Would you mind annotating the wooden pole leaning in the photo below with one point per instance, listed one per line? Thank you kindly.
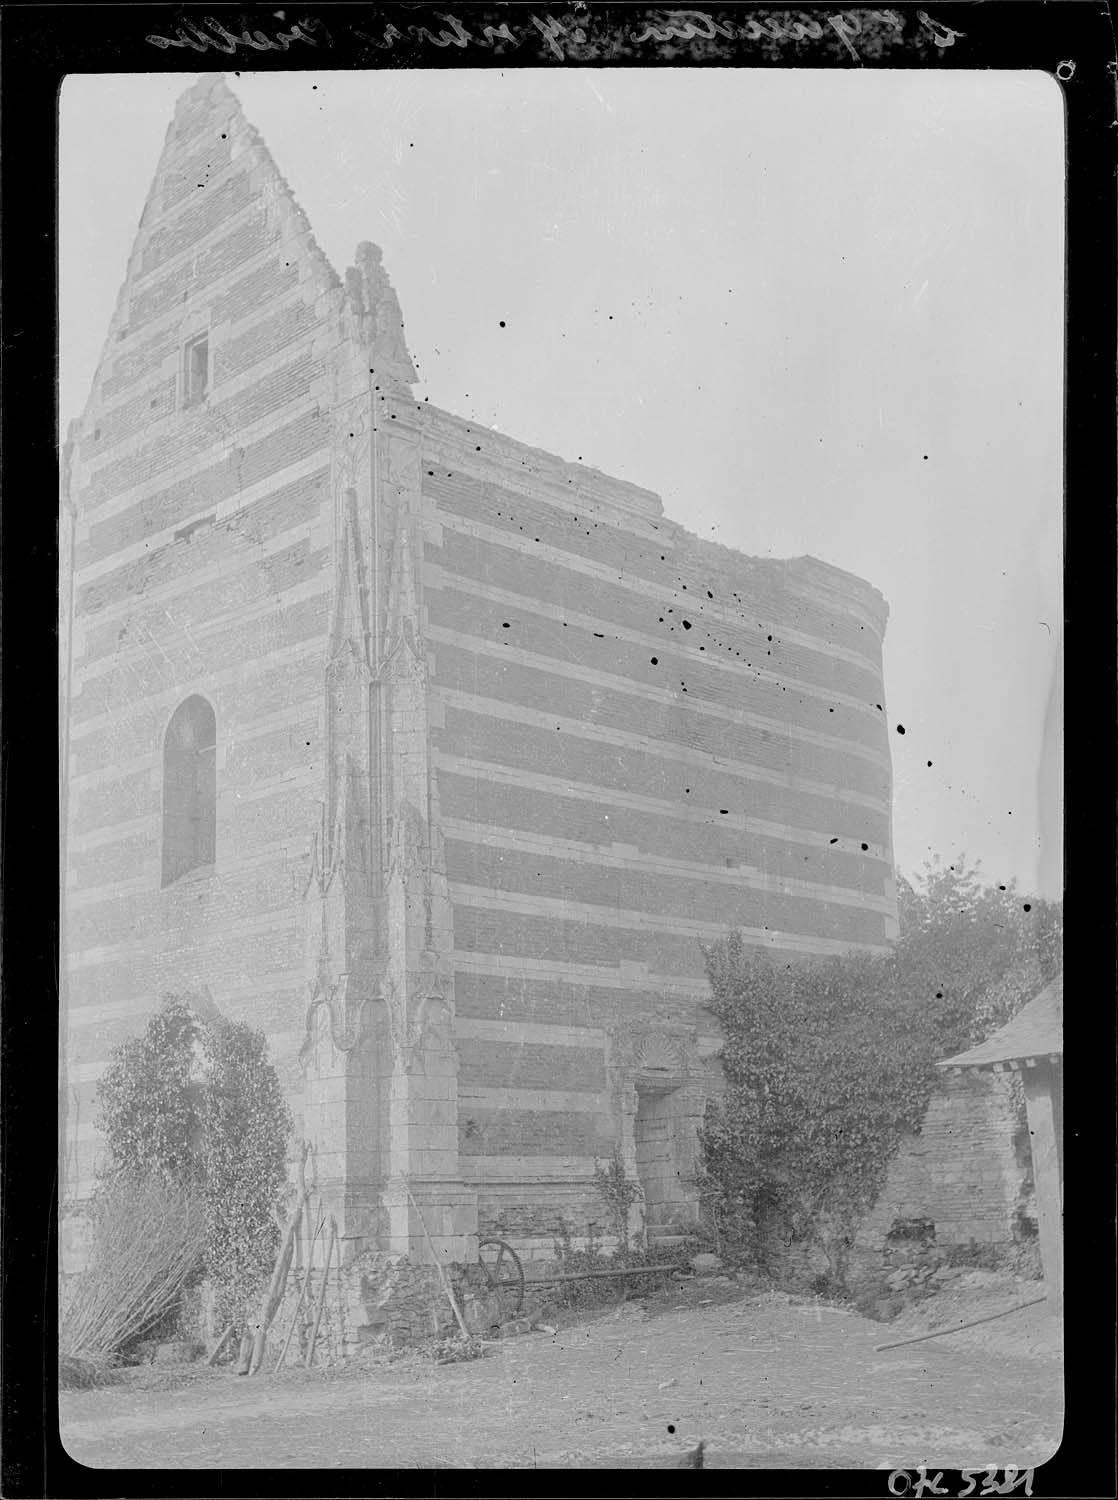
(279, 1275)
(438, 1264)
(321, 1292)
(299, 1301)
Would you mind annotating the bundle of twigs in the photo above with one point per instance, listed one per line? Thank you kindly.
(148, 1237)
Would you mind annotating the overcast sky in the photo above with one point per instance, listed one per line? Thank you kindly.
(817, 312)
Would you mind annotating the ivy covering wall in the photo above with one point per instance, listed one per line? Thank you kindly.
(831, 1063)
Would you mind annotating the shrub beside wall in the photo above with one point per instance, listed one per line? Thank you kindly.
(196, 1105)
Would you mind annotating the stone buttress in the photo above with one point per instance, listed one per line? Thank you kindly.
(379, 1059)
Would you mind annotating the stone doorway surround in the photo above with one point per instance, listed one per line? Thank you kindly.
(661, 1111)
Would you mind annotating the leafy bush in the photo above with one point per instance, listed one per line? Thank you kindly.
(150, 1101)
(618, 1193)
(198, 1105)
(148, 1236)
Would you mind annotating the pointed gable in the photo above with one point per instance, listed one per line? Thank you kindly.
(221, 238)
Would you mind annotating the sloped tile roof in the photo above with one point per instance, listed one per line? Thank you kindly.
(1036, 1031)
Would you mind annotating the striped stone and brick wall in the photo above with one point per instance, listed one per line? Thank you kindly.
(201, 563)
(499, 745)
(640, 740)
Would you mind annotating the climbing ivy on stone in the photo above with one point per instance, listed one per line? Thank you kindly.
(825, 1075)
(198, 1104)
(246, 1125)
(829, 1063)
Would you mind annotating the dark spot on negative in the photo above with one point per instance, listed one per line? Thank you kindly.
(865, 847)
(900, 729)
(687, 624)
(655, 660)
(834, 841)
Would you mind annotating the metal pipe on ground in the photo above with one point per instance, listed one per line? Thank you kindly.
(958, 1327)
(588, 1275)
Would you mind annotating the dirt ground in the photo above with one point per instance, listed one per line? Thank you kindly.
(766, 1380)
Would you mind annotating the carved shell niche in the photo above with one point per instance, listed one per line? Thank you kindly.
(659, 1055)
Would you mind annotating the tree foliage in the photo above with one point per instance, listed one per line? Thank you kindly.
(987, 948)
(198, 1105)
(149, 1100)
(829, 1063)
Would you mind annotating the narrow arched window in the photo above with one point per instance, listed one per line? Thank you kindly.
(189, 789)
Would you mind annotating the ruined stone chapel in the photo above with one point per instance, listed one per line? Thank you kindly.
(431, 755)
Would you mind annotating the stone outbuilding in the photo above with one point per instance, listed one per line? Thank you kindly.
(1032, 1044)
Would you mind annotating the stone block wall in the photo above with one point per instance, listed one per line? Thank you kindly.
(381, 1302)
(965, 1177)
(965, 1180)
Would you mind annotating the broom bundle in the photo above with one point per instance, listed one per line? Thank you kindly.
(148, 1238)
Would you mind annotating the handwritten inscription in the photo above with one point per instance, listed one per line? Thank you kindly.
(566, 31)
(200, 36)
(563, 32)
(901, 1482)
(686, 25)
